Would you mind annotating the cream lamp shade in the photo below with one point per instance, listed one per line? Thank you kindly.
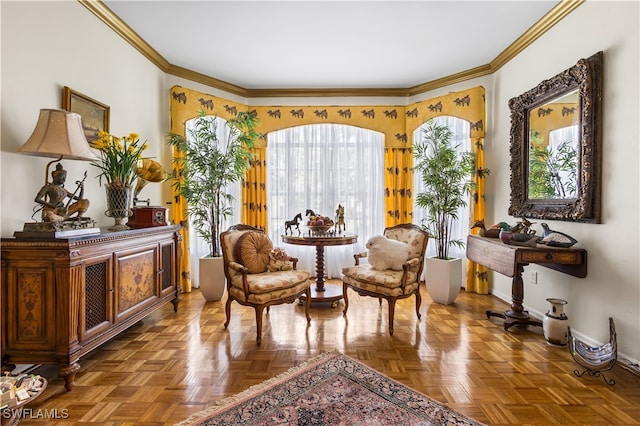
(58, 134)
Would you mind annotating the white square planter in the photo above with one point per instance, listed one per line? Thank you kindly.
(443, 279)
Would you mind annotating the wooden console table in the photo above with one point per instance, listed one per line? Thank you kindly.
(510, 261)
(64, 297)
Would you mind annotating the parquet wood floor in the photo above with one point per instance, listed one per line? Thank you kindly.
(172, 365)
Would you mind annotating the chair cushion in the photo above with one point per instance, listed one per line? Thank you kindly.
(270, 286)
(252, 251)
(388, 282)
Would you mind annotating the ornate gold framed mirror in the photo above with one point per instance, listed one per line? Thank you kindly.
(556, 132)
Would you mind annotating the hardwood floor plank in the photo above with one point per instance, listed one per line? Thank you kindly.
(172, 365)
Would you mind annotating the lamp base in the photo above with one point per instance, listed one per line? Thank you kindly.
(66, 228)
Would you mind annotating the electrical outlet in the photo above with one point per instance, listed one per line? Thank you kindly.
(534, 277)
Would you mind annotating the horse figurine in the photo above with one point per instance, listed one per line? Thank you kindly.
(309, 212)
(289, 224)
(339, 218)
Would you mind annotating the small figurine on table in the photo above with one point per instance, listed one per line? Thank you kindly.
(53, 194)
(340, 226)
(289, 224)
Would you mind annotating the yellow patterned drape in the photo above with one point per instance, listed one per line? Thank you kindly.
(254, 192)
(398, 185)
(179, 215)
(477, 277)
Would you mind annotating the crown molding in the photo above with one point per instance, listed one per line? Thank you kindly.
(451, 79)
(555, 15)
(98, 8)
(207, 80)
(319, 93)
(545, 23)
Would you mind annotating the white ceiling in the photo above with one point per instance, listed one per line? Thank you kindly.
(329, 44)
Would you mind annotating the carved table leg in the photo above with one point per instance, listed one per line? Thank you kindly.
(320, 293)
(319, 269)
(69, 375)
(516, 315)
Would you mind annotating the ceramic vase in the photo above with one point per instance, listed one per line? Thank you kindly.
(118, 205)
(555, 323)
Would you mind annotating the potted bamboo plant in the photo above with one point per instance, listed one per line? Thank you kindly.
(203, 173)
(447, 179)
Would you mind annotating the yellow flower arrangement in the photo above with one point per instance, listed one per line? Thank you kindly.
(119, 157)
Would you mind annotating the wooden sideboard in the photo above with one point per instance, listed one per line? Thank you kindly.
(63, 297)
(510, 261)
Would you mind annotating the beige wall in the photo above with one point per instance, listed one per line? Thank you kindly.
(612, 286)
(90, 58)
(48, 45)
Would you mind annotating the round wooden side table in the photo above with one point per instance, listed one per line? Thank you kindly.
(320, 293)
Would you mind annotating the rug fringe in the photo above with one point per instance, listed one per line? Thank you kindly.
(251, 391)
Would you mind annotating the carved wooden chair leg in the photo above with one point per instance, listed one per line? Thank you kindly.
(227, 309)
(307, 304)
(418, 302)
(392, 311)
(346, 299)
(259, 324)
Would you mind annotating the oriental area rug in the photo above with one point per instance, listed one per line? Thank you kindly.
(331, 389)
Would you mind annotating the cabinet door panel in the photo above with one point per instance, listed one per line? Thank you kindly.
(136, 273)
(96, 313)
(30, 313)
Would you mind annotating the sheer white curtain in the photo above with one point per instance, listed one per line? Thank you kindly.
(461, 137)
(318, 167)
(197, 246)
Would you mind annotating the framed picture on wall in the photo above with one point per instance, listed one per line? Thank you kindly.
(95, 115)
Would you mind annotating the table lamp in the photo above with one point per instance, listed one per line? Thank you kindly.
(59, 134)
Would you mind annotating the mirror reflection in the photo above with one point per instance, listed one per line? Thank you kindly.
(556, 131)
(554, 135)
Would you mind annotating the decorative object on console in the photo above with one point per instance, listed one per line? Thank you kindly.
(148, 170)
(340, 225)
(118, 165)
(519, 239)
(555, 324)
(492, 232)
(318, 224)
(59, 134)
(289, 224)
(596, 359)
(556, 238)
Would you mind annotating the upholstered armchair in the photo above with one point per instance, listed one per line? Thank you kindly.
(390, 284)
(251, 278)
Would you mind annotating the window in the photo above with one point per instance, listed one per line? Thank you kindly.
(318, 167)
